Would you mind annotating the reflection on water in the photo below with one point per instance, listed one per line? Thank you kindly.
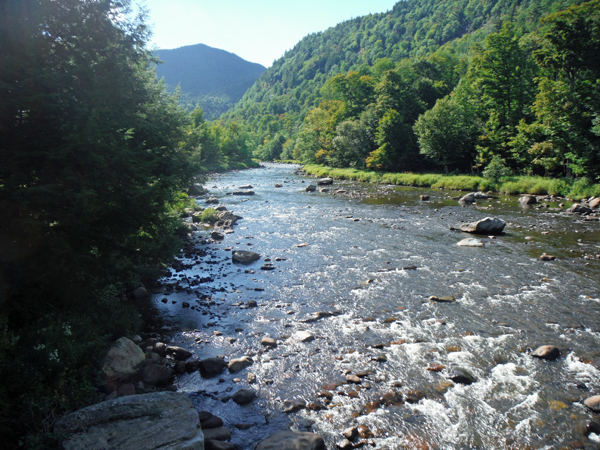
(374, 259)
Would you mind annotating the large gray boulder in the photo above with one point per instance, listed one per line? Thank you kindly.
(224, 216)
(288, 440)
(594, 203)
(311, 188)
(487, 226)
(244, 256)
(152, 421)
(243, 192)
(325, 182)
(123, 359)
(579, 208)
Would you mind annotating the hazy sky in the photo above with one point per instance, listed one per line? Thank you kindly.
(257, 30)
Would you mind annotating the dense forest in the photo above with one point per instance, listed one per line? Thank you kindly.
(507, 86)
(207, 77)
(95, 157)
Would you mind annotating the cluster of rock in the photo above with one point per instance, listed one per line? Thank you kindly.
(587, 207)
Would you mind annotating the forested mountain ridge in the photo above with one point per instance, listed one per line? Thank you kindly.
(375, 76)
(213, 78)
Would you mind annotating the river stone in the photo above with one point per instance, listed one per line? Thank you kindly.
(547, 257)
(278, 185)
(151, 421)
(211, 367)
(123, 359)
(528, 200)
(289, 440)
(244, 256)
(461, 376)
(595, 203)
(235, 365)
(160, 348)
(311, 188)
(226, 216)
(469, 198)
(156, 375)
(487, 226)
(217, 236)
(593, 403)
(268, 342)
(425, 198)
(344, 444)
(350, 433)
(292, 406)
(447, 299)
(139, 293)
(211, 201)
(180, 354)
(353, 379)
(217, 434)
(219, 445)
(470, 242)
(211, 421)
(303, 336)
(243, 192)
(549, 352)
(325, 182)
(246, 186)
(244, 396)
(579, 208)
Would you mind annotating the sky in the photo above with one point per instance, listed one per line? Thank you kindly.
(259, 31)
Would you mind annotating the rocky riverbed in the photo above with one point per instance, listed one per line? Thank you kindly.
(353, 311)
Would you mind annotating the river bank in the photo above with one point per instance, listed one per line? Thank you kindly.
(568, 188)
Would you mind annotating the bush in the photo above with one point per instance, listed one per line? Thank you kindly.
(209, 215)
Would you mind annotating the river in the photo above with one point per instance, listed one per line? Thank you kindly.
(375, 255)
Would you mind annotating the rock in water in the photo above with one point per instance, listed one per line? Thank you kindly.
(235, 365)
(593, 403)
(217, 236)
(487, 226)
(469, 198)
(461, 376)
(470, 242)
(303, 336)
(311, 188)
(528, 200)
(156, 375)
(595, 203)
(291, 406)
(446, 299)
(579, 208)
(325, 182)
(546, 352)
(150, 421)
(123, 359)
(211, 367)
(244, 396)
(178, 353)
(288, 440)
(244, 257)
(243, 192)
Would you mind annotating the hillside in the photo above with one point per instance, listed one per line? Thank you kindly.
(354, 94)
(214, 78)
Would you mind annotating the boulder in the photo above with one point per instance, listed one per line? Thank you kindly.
(217, 434)
(244, 257)
(579, 209)
(196, 189)
(211, 367)
(123, 359)
(549, 352)
(593, 403)
(547, 257)
(246, 186)
(528, 200)
(151, 421)
(461, 376)
(217, 236)
(279, 185)
(244, 396)
(211, 201)
(156, 375)
(243, 192)
(344, 444)
(226, 216)
(325, 182)
(594, 203)
(470, 242)
(160, 348)
(487, 226)
(219, 445)
(268, 342)
(209, 420)
(311, 188)
(292, 406)
(289, 440)
(469, 198)
(178, 353)
(235, 365)
(303, 336)
(446, 299)
(425, 198)
(139, 293)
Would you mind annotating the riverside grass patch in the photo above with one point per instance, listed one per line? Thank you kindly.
(512, 185)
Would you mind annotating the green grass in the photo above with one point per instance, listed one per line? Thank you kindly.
(209, 215)
(288, 161)
(575, 189)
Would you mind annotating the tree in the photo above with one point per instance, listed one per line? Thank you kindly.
(93, 155)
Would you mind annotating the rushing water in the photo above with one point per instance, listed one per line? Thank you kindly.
(508, 302)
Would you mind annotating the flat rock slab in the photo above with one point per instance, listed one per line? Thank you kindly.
(288, 440)
(470, 242)
(150, 421)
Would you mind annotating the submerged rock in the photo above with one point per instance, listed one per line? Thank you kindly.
(487, 226)
(470, 242)
(461, 376)
(150, 421)
(289, 440)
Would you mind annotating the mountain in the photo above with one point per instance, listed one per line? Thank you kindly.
(214, 78)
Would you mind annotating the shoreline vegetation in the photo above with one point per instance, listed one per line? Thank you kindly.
(512, 185)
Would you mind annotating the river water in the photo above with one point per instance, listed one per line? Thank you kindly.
(359, 264)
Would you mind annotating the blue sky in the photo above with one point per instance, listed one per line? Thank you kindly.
(258, 31)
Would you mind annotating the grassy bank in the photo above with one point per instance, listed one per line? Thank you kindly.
(575, 189)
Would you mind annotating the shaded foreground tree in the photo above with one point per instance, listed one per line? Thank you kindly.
(92, 153)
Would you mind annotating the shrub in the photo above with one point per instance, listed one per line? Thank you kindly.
(209, 215)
